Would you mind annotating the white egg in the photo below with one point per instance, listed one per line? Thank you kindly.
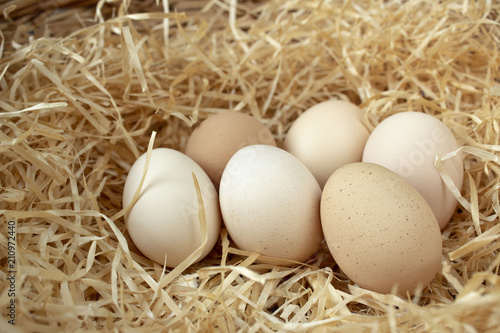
(408, 143)
(164, 223)
(270, 203)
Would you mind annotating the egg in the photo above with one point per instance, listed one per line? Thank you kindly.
(408, 143)
(327, 136)
(212, 144)
(379, 229)
(270, 203)
(164, 222)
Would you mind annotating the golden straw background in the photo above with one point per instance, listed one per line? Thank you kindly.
(85, 85)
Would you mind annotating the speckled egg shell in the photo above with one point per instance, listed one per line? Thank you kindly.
(379, 229)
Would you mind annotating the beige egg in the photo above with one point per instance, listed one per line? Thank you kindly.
(327, 136)
(270, 203)
(212, 144)
(379, 229)
(164, 221)
(408, 143)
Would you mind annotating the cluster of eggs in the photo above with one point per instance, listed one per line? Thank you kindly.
(376, 198)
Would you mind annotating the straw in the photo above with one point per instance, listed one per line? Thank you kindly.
(88, 86)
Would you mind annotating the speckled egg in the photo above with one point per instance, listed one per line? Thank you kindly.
(381, 232)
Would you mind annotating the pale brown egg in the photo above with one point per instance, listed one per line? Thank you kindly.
(212, 144)
(380, 230)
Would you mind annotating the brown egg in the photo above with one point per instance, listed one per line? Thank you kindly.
(380, 230)
(219, 137)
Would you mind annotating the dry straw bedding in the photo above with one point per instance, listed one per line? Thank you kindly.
(86, 89)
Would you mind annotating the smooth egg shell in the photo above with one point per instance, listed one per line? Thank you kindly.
(218, 137)
(327, 136)
(408, 143)
(164, 220)
(379, 229)
(270, 203)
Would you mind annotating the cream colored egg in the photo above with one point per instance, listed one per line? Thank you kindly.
(164, 222)
(408, 143)
(327, 136)
(379, 229)
(270, 203)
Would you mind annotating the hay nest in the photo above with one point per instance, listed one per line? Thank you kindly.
(84, 85)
